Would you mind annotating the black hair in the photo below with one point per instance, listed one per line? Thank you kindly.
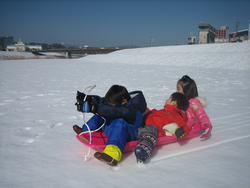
(182, 101)
(189, 87)
(116, 94)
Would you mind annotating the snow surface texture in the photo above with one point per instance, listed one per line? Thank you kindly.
(38, 147)
(4, 54)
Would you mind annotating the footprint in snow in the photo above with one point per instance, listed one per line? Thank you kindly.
(73, 117)
(40, 95)
(39, 135)
(29, 141)
(224, 104)
(8, 100)
(41, 121)
(25, 97)
(27, 128)
(55, 125)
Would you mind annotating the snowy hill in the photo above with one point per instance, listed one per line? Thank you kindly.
(38, 147)
(205, 56)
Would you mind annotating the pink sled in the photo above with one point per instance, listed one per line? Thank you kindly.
(99, 139)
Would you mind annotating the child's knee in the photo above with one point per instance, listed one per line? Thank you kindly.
(94, 123)
(148, 129)
(119, 123)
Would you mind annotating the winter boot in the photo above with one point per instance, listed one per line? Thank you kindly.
(105, 158)
(77, 129)
(145, 147)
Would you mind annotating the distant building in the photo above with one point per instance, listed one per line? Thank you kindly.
(21, 47)
(249, 31)
(1, 43)
(207, 33)
(33, 47)
(222, 34)
(239, 35)
(192, 40)
(5, 41)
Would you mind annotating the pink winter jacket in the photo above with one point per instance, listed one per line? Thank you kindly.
(196, 111)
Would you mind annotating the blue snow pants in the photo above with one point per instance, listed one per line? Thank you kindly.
(118, 131)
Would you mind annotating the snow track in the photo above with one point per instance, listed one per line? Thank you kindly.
(195, 149)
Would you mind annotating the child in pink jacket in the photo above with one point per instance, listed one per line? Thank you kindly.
(188, 87)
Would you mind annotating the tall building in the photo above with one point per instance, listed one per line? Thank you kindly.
(1, 43)
(249, 31)
(5, 41)
(207, 33)
(222, 34)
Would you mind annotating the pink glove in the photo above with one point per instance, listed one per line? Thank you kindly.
(207, 131)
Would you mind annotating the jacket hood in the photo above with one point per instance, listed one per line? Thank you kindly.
(202, 101)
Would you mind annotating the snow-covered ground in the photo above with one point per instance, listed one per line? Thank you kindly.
(38, 147)
(28, 55)
(4, 54)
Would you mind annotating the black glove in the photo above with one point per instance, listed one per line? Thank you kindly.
(80, 96)
(179, 132)
(86, 106)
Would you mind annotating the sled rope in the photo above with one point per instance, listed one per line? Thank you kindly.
(90, 137)
(91, 87)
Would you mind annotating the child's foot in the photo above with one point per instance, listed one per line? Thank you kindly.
(140, 154)
(143, 150)
(105, 158)
(144, 147)
(77, 129)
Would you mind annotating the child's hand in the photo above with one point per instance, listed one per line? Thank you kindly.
(80, 96)
(179, 132)
(207, 132)
(86, 106)
(79, 106)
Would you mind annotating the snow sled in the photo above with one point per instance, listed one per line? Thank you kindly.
(98, 139)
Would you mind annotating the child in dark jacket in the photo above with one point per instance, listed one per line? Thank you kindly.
(121, 112)
(171, 120)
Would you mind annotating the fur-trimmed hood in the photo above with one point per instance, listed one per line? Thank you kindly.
(203, 102)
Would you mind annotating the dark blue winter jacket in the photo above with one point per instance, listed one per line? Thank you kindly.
(128, 111)
(121, 121)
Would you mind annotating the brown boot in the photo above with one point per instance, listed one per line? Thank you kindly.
(106, 158)
(77, 129)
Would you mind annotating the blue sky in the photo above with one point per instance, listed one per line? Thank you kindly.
(109, 23)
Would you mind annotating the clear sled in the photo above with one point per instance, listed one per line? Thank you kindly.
(98, 139)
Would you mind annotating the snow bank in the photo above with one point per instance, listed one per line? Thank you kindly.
(27, 55)
(204, 56)
(15, 54)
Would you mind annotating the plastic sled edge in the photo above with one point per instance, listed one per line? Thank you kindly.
(98, 139)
